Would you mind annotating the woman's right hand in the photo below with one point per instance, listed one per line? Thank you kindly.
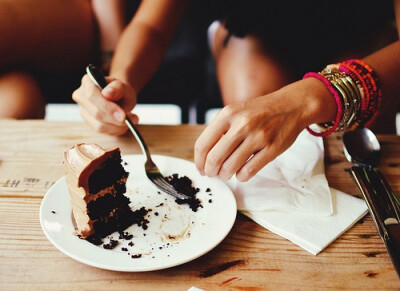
(105, 110)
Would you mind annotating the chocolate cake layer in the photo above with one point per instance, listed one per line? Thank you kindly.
(106, 204)
(110, 172)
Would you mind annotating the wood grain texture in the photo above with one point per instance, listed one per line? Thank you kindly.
(250, 258)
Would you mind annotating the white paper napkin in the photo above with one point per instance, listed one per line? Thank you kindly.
(291, 197)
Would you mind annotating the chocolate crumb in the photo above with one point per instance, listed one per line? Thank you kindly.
(130, 244)
(210, 201)
(136, 256)
(208, 190)
(124, 249)
(112, 244)
(53, 212)
(184, 185)
(156, 213)
(125, 235)
(138, 217)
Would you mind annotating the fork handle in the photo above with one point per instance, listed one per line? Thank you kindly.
(138, 136)
(97, 77)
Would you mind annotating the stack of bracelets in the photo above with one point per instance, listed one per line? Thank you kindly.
(357, 93)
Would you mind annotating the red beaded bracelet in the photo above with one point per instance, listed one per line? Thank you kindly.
(337, 100)
(374, 87)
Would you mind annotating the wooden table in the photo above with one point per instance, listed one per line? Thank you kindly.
(251, 257)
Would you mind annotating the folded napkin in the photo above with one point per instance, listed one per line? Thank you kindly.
(291, 197)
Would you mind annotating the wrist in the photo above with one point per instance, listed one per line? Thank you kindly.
(320, 105)
(105, 60)
(122, 74)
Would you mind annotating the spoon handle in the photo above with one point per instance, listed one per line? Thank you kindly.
(384, 208)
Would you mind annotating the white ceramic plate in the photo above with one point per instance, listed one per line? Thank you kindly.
(175, 233)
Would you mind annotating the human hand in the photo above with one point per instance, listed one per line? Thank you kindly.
(244, 137)
(105, 110)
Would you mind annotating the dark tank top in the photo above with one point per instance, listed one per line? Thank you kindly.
(311, 29)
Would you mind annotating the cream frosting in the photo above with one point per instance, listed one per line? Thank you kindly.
(80, 161)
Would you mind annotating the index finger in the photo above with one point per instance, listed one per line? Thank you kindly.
(207, 140)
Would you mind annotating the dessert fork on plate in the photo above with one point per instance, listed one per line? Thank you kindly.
(151, 169)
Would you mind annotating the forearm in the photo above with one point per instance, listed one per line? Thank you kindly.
(138, 55)
(386, 63)
(144, 42)
(110, 19)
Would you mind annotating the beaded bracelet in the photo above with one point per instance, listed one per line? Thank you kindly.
(337, 100)
(362, 114)
(369, 106)
(336, 80)
(374, 87)
(357, 92)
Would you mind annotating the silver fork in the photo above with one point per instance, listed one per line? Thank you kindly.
(152, 171)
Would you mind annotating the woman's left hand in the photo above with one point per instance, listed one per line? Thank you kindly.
(244, 137)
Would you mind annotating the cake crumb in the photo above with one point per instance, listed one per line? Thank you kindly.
(125, 235)
(112, 244)
(184, 185)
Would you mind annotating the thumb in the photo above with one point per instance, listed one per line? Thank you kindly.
(114, 91)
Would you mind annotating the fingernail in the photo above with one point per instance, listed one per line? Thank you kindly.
(108, 91)
(118, 115)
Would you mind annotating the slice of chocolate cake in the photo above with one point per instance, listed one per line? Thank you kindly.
(96, 181)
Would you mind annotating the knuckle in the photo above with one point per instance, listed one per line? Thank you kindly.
(198, 146)
(100, 127)
(75, 95)
(213, 160)
(109, 107)
(84, 78)
(243, 124)
(226, 171)
(227, 111)
(98, 114)
(246, 173)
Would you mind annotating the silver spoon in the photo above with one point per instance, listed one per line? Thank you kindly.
(362, 148)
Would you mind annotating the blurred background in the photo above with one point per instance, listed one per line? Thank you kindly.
(183, 90)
